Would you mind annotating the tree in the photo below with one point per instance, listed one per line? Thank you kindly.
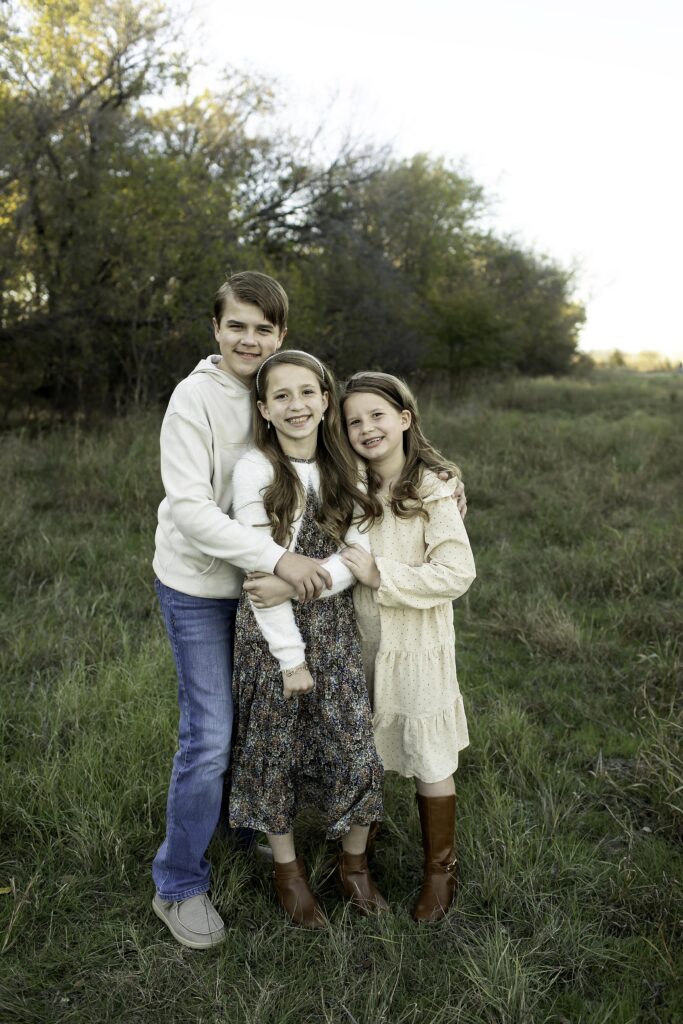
(406, 281)
(119, 216)
(117, 220)
(73, 75)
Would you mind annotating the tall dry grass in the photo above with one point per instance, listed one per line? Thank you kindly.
(569, 796)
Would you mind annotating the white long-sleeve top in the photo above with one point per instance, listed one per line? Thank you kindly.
(252, 475)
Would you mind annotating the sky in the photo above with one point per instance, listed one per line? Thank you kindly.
(569, 115)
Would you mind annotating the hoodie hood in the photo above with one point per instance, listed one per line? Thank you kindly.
(226, 380)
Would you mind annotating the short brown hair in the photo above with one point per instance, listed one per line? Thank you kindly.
(258, 290)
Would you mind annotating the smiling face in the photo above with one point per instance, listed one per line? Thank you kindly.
(294, 405)
(375, 428)
(245, 338)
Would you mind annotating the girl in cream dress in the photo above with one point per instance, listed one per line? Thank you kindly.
(420, 561)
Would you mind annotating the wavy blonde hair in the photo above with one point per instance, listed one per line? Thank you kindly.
(341, 500)
(405, 500)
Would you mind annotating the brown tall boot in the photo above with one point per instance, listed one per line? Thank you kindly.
(372, 840)
(295, 896)
(357, 884)
(439, 886)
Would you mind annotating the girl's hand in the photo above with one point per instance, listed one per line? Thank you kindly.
(458, 494)
(307, 576)
(362, 565)
(266, 591)
(296, 680)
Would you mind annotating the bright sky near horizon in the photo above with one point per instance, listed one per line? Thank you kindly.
(566, 113)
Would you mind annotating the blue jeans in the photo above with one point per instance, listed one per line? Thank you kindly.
(201, 631)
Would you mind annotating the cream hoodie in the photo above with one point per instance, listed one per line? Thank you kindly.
(200, 550)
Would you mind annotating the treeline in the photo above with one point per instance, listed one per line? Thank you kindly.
(121, 214)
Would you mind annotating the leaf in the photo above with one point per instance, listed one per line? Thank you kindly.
(6, 889)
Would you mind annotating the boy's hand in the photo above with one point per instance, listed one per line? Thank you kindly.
(296, 680)
(458, 494)
(362, 565)
(307, 576)
(266, 591)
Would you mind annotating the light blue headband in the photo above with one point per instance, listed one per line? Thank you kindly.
(298, 352)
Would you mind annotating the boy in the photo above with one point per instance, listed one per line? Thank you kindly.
(199, 557)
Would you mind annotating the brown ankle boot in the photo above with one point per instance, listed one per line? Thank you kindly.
(356, 881)
(439, 886)
(372, 840)
(295, 896)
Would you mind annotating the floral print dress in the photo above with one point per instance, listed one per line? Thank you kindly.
(315, 750)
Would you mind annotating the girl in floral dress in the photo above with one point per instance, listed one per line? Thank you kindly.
(303, 727)
(420, 561)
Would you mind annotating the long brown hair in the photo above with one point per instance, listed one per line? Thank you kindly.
(340, 497)
(420, 454)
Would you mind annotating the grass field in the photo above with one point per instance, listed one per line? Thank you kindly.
(570, 796)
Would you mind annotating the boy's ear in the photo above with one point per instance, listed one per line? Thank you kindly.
(406, 418)
(215, 327)
(281, 339)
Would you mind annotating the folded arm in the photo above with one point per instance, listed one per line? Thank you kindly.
(342, 576)
(186, 470)
(279, 628)
(266, 590)
(446, 573)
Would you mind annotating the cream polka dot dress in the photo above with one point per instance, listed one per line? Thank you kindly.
(408, 638)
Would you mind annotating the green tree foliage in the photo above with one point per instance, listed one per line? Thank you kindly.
(121, 212)
(73, 76)
(406, 279)
(380, 248)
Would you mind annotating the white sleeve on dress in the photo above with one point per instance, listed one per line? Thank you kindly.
(251, 476)
(342, 577)
(448, 568)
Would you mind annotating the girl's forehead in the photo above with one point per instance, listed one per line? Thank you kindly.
(365, 401)
(290, 375)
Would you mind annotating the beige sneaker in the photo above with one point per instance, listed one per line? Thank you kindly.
(193, 922)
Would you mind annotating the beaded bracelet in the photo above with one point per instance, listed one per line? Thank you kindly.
(289, 672)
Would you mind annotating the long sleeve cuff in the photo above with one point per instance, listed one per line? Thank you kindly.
(342, 577)
(422, 586)
(271, 555)
(281, 633)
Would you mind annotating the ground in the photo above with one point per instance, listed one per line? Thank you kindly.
(570, 795)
